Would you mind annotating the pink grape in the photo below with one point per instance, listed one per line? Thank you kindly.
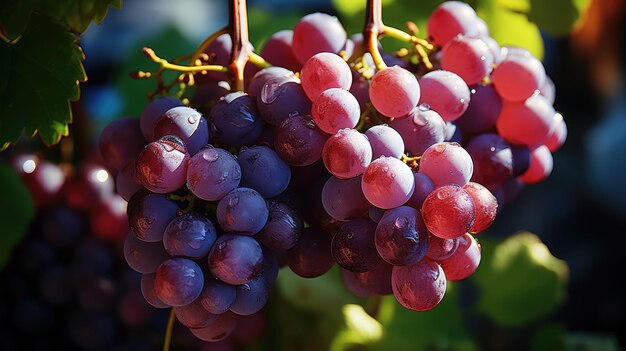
(447, 163)
(343, 199)
(468, 57)
(347, 153)
(420, 129)
(526, 123)
(541, 164)
(277, 50)
(448, 211)
(440, 249)
(335, 109)
(557, 136)
(385, 141)
(446, 93)
(465, 259)
(485, 206)
(324, 71)
(518, 75)
(162, 165)
(450, 19)
(315, 33)
(394, 91)
(387, 182)
(419, 287)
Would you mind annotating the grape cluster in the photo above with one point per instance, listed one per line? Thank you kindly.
(66, 284)
(387, 170)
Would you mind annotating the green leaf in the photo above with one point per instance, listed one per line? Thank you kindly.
(77, 14)
(520, 280)
(323, 295)
(441, 328)
(45, 69)
(16, 211)
(555, 17)
(360, 329)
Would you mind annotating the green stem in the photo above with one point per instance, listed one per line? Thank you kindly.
(168, 332)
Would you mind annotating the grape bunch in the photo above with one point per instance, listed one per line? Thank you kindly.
(387, 164)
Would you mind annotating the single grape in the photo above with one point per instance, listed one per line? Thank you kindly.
(401, 238)
(213, 173)
(147, 290)
(143, 257)
(278, 51)
(347, 153)
(261, 77)
(450, 19)
(324, 71)
(217, 296)
(282, 97)
(187, 124)
(235, 259)
(194, 315)
(483, 110)
(423, 187)
(448, 211)
(419, 129)
(419, 287)
(162, 165)
(299, 142)
(387, 182)
(541, 164)
(446, 163)
(353, 246)
(440, 249)
(468, 57)
(557, 136)
(465, 259)
(120, 142)
(235, 121)
(485, 206)
(394, 91)
(526, 123)
(335, 109)
(445, 92)
(251, 297)
(149, 214)
(190, 235)
(126, 184)
(343, 199)
(263, 170)
(283, 227)
(315, 33)
(152, 111)
(242, 211)
(311, 257)
(493, 159)
(518, 75)
(178, 281)
(385, 141)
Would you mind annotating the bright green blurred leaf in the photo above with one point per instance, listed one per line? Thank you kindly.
(45, 67)
(555, 17)
(591, 342)
(360, 329)
(441, 328)
(520, 280)
(16, 211)
(324, 295)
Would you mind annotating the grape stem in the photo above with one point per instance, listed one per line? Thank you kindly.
(238, 30)
(168, 331)
(374, 28)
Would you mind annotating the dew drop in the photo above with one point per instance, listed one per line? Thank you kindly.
(210, 156)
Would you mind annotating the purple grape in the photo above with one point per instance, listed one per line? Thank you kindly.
(311, 256)
(299, 142)
(187, 124)
(147, 290)
(143, 257)
(235, 259)
(261, 77)
(217, 296)
(401, 237)
(242, 211)
(161, 166)
(483, 111)
(190, 235)
(235, 121)
(120, 142)
(194, 315)
(251, 297)
(152, 111)
(419, 287)
(178, 281)
(213, 173)
(263, 170)
(420, 129)
(353, 246)
(385, 141)
(317, 32)
(149, 214)
(423, 187)
(343, 199)
(280, 98)
(277, 50)
(219, 329)
(126, 183)
(283, 227)
(493, 158)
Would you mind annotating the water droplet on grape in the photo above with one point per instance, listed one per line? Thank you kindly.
(440, 147)
(401, 222)
(233, 201)
(210, 156)
(193, 118)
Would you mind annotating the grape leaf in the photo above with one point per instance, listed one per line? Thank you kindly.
(77, 14)
(16, 211)
(44, 69)
(520, 280)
